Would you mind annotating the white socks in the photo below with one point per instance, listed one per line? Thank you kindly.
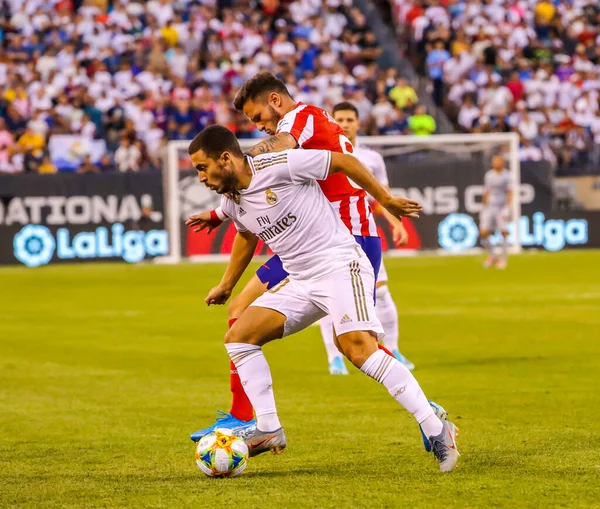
(388, 316)
(254, 372)
(404, 388)
(326, 325)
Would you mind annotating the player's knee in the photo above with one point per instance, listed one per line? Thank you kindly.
(238, 335)
(358, 346)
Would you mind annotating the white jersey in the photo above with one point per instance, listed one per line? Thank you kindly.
(285, 207)
(497, 185)
(373, 160)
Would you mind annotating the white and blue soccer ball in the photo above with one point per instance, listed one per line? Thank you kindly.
(221, 454)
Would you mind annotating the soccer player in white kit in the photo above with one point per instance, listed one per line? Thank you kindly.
(275, 197)
(346, 115)
(494, 216)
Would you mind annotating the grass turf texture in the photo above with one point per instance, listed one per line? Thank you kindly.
(106, 369)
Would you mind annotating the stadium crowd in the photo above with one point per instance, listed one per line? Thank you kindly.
(529, 66)
(121, 78)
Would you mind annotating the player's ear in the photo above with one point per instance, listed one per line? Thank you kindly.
(275, 99)
(225, 158)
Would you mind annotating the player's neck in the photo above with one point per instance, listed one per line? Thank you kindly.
(353, 141)
(243, 172)
(288, 104)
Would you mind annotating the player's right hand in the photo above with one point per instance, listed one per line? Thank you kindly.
(203, 220)
(217, 295)
(399, 206)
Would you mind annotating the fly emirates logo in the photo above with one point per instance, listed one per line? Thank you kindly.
(270, 231)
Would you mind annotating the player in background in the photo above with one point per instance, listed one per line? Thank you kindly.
(276, 197)
(266, 101)
(346, 115)
(494, 216)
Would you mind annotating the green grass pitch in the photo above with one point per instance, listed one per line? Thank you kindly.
(106, 369)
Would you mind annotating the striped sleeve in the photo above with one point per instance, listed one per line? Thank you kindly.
(302, 128)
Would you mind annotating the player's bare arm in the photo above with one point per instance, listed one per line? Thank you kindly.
(359, 174)
(204, 220)
(242, 251)
(277, 143)
(509, 197)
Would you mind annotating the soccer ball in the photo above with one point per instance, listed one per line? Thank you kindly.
(221, 454)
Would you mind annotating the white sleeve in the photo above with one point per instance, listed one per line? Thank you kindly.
(220, 214)
(379, 170)
(307, 165)
(509, 184)
(228, 208)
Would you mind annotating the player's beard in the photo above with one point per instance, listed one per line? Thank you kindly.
(229, 182)
(275, 115)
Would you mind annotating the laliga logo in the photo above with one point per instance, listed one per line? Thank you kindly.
(457, 232)
(35, 245)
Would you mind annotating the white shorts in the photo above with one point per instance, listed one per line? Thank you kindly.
(346, 294)
(382, 277)
(494, 219)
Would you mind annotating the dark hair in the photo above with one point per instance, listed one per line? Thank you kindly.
(345, 106)
(214, 140)
(259, 84)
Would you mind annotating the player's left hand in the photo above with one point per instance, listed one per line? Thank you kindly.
(399, 235)
(399, 206)
(217, 295)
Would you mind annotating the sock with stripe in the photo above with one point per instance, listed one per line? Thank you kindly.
(404, 388)
(255, 376)
(241, 408)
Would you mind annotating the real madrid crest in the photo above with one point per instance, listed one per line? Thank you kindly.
(236, 198)
(271, 197)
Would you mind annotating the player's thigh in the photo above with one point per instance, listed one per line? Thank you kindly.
(266, 277)
(291, 300)
(256, 326)
(347, 296)
(253, 290)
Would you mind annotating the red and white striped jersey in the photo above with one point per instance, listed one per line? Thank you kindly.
(314, 128)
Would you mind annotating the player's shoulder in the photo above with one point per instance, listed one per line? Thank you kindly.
(262, 161)
(368, 151)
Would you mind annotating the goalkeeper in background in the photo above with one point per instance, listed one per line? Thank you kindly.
(494, 216)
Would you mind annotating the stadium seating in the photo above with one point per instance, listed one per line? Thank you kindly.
(116, 81)
(530, 66)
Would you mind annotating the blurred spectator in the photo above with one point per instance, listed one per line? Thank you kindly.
(106, 164)
(128, 156)
(435, 68)
(403, 95)
(87, 166)
(31, 141)
(47, 166)
(421, 124)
